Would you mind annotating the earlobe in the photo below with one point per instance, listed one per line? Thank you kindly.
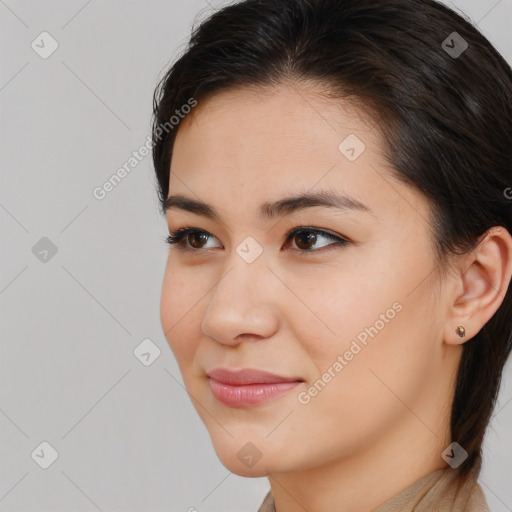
(484, 285)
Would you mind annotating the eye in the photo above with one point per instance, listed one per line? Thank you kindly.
(305, 238)
(183, 235)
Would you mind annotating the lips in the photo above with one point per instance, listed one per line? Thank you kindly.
(248, 387)
(248, 376)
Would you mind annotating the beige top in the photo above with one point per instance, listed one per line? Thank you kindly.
(436, 492)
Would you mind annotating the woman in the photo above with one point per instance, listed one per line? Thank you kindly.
(335, 177)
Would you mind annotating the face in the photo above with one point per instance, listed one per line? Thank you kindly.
(343, 308)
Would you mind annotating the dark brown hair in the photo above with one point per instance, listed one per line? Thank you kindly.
(446, 119)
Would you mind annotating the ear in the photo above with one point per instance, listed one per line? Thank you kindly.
(482, 280)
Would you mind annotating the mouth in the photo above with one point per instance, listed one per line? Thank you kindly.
(249, 387)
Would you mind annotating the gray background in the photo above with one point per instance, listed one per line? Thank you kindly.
(126, 434)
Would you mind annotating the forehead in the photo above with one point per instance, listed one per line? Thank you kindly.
(294, 112)
(244, 145)
(249, 128)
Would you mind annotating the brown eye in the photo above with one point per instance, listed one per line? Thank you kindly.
(197, 238)
(305, 240)
(189, 239)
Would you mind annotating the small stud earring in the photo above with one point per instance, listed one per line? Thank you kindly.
(461, 331)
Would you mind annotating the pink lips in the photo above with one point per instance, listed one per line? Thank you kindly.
(248, 386)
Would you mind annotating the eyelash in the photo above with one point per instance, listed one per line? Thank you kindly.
(178, 238)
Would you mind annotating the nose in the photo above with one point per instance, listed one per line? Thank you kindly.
(242, 305)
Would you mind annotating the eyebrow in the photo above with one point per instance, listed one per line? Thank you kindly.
(270, 210)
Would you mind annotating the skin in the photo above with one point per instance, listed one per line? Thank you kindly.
(387, 411)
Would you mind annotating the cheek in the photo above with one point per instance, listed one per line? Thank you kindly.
(179, 303)
(342, 307)
(353, 400)
(378, 329)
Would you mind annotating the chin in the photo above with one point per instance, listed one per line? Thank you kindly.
(241, 470)
(245, 459)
